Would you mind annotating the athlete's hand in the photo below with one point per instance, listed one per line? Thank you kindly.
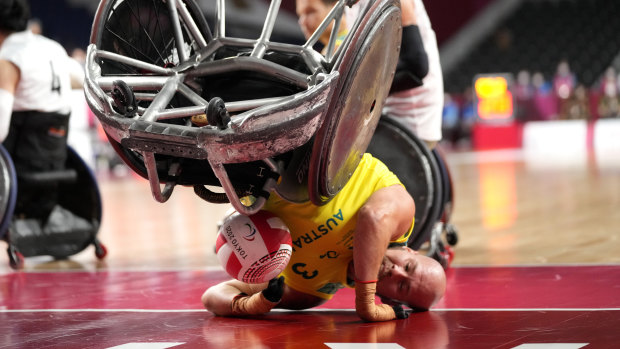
(261, 302)
(401, 313)
(365, 303)
(274, 290)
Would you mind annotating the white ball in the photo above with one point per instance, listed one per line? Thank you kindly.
(253, 249)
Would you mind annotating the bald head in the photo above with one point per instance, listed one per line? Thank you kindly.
(410, 278)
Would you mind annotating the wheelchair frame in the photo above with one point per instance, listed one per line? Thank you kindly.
(249, 135)
(259, 129)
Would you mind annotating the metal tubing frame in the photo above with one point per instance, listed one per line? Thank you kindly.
(161, 85)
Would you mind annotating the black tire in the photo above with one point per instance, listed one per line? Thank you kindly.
(8, 191)
(409, 158)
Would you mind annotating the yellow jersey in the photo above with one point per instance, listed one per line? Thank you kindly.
(323, 235)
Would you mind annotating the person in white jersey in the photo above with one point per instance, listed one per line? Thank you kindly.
(418, 104)
(35, 86)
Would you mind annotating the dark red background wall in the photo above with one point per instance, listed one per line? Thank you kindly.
(448, 16)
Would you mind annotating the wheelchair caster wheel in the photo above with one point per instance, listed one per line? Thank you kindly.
(452, 236)
(16, 259)
(444, 255)
(100, 250)
(217, 115)
(124, 99)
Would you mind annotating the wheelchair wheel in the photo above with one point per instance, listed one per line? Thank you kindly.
(416, 167)
(366, 68)
(81, 197)
(142, 30)
(8, 191)
(447, 185)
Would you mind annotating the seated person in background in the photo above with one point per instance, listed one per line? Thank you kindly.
(416, 95)
(35, 87)
(358, 239)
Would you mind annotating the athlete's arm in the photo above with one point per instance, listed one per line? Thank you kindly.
(220, 299)
(386, 215)
(412, 64)
(9, 78)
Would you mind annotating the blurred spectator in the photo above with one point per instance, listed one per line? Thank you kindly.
(564, 83)
(503, 39)
(524, 94)
(609, 83)
(468, 115)
(450, 120)
(608, 106)
(578, 105)
(35, 26)
(545, 102)
(78, 61)
(79, 55)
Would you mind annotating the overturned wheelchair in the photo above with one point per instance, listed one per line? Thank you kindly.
(185, 105)
(73, 224)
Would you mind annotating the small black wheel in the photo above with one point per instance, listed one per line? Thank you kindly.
(452, 236)
(100, 250)
(217, 115)
(443, 254)
(124, 99)
(16, 259)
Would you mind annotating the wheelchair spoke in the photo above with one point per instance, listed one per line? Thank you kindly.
(135, 50)
(157, 24)
(142, 28)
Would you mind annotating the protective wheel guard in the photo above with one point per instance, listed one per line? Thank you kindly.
(182, 105)
(367, 70)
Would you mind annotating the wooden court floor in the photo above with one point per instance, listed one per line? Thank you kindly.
(537, 265)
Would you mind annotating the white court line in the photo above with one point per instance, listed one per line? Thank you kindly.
(538, 265)
(364, 346)
(117, 269)
(147, 345)
(285, 310)
(551, 346)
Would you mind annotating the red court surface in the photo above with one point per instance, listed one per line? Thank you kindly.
(537, 266)
(484, 307)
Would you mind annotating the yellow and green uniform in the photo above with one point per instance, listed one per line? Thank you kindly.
(323, 235)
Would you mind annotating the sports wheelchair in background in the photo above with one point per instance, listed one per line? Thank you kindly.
(184, 104)
(427, 178)
(77, 216)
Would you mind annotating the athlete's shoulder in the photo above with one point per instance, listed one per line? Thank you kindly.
(371, 164)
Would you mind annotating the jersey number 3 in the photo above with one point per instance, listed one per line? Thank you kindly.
(297, 269)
